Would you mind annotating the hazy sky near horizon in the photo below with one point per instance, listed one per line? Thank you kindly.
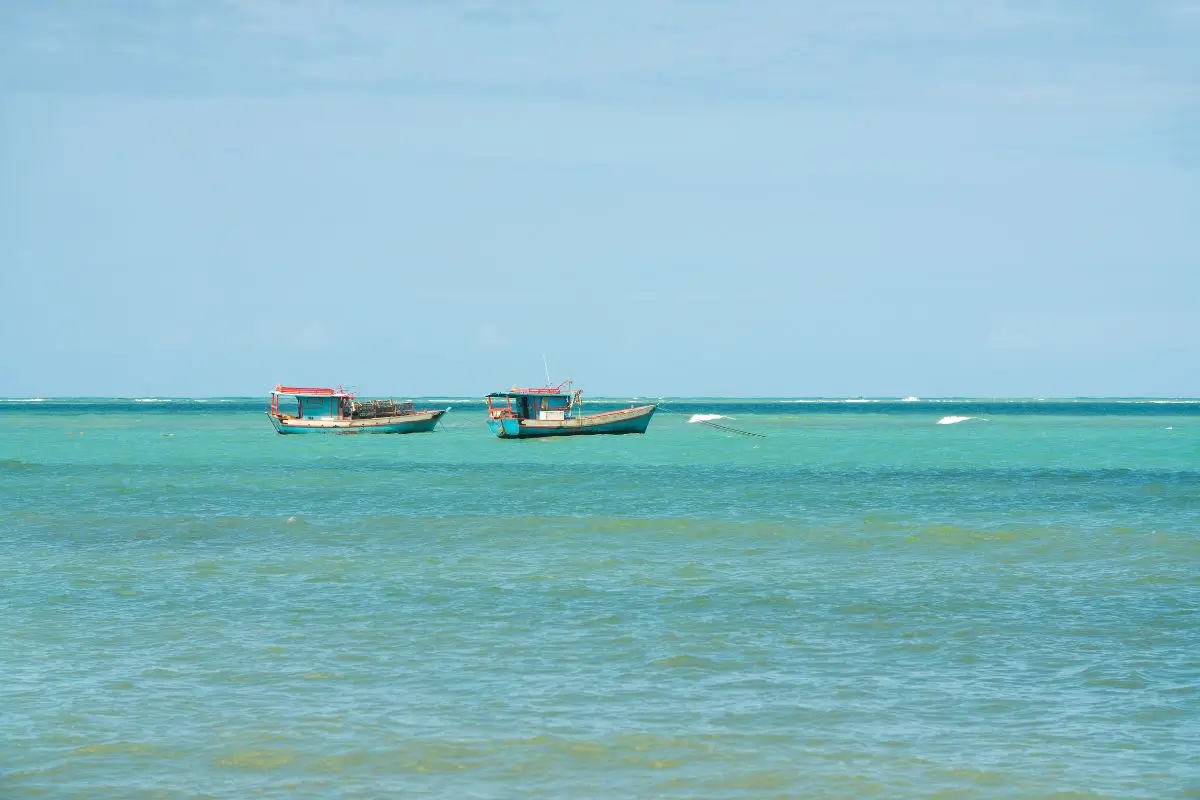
(784, 198)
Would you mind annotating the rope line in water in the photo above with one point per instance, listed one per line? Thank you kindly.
(662, 406)
(738, 431)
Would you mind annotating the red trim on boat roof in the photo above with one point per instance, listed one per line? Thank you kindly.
(318, 392)
(546, 390)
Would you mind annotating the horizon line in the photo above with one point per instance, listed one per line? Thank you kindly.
(814, 398)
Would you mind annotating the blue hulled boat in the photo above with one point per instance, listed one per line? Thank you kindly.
(557, 411)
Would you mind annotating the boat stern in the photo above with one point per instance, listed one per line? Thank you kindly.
(505, 427)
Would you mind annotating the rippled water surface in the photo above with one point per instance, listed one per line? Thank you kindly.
(862, 602)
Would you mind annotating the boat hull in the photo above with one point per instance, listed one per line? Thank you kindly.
(420, 422)
(626, 420)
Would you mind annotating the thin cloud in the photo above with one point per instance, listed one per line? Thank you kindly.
(814, 53)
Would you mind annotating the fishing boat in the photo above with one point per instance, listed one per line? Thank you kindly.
(557, 411)
(337, 410)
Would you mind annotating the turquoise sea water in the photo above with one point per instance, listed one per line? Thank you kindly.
(862, 603)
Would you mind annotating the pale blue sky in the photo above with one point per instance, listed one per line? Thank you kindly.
(666, 198)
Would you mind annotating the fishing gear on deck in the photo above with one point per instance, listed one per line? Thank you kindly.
(372, 409)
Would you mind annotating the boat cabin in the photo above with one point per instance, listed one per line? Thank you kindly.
(314, 403)
(551, 404)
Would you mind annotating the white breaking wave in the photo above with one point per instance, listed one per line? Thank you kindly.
(706, 417)
(149, 400)
(911, 399)
(952, 420)
(24, 399)
(859, 400)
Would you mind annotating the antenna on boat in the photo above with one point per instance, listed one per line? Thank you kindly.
(546, 364)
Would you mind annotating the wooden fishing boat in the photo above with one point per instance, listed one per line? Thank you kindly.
(320, 410)
(557, 411)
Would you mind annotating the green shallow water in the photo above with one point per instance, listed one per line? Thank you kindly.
(863, 603)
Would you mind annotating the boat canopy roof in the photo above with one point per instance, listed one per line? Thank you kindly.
(554, 391)
(308, 391)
